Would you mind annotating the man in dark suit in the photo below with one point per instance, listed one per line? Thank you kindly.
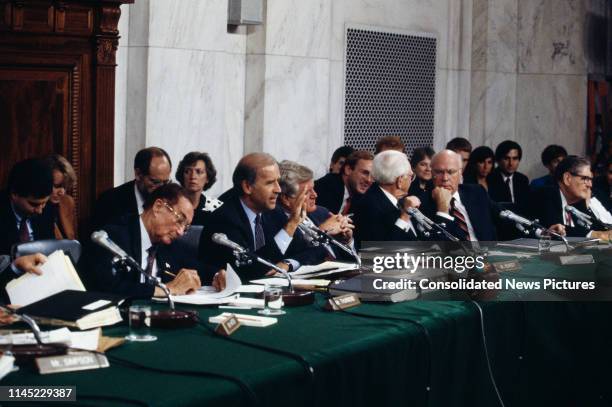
(378, 216)
(249, 217)
(574, 182)
(508, 187)
(551, 156)
(337, 192)
(148, 239)
(23, 213)
(465, 209)
(152, 167)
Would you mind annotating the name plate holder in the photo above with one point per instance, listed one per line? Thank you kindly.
(228, 326)
(576, 259)
(71, 362)
(506, 266)
(342, 302)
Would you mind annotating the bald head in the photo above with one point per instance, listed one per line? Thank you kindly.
(446, 169)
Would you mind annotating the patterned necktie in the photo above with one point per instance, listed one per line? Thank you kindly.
(260, 239)
(24, 232)
(569, 221)
(152, 253)
(459, 219)
(347, 206)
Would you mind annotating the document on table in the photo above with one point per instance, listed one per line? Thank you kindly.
(325, 268)
(296, 282)
(58, 274)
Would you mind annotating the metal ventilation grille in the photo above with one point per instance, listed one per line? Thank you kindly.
(390, 88)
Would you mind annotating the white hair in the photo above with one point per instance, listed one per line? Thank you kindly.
(451, 153)
(389, 165)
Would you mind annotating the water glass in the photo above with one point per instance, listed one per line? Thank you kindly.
(140, 324)
(273, 300)
(544, 243)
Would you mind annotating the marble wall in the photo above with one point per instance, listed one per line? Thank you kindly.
(505, 69)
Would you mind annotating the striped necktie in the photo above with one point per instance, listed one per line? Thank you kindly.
(459, 219)
(260, 239)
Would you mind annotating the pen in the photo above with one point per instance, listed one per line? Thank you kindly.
(169, 273)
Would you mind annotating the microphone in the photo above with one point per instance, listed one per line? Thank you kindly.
(223, 240)
(101, 238)
(522, 224)
(581, 218)
(421, 219)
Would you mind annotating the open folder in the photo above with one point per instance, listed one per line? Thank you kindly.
(58, 274)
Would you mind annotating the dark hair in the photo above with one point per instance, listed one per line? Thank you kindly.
(143, 158)
(170, 193)
(480, 154)
(246, 169)
(389, 143)
(505, 146)
(31, 178)
(343, 151)
(570, 164)
(551, 152)
(419, 154)
(352, 159)
(459, 144)
(191, 159)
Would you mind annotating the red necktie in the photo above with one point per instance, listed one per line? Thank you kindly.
(459, 218)
(347, 206)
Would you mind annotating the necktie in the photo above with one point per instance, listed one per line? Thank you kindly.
(508, 181)
(152, 253)
(568, 218)
(260, 239)
(347, 206)
(459, 219)
(24, 232)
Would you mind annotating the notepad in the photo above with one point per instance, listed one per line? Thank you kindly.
(58, 274)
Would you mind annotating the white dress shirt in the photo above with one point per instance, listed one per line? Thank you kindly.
(145, 244)
(406, 226)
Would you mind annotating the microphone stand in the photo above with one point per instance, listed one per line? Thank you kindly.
(160, 319)
(321, 237)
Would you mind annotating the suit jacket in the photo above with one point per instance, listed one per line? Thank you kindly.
(547, 208)
(232, 220)
(319, 215)
(200, 216)
(114, 204)
(500, 193)
(99, 274)
(601, 190)
(375, 218)
(480, 208)
(330, 191)
(42, 225)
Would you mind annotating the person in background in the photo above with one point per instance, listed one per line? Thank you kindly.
(389, 143)
(479, 166)
(152, 168)
(462, 147)
(552, 155)
(337, 192)
(338, 158)
(61, 203)
(196, 173)
(23, 213)
(421, 165)
(602, 187)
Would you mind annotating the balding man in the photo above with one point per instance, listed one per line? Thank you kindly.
(152, 167)
(465, 209)
(249, 216)
(380, 215)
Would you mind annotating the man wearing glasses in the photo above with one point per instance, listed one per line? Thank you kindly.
(148, 238)
(381, 214)
(152, 167)
(574, 184)
(465, 209)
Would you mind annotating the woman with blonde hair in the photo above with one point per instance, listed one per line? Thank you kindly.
(60, 202)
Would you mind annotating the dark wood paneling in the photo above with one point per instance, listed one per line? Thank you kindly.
(57, 77)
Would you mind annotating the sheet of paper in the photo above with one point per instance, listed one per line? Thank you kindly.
(61, 335)
(58, 274)
(6, 365)
(325, 267)
(250, 289)
(87, 340)
(296, 281)
(246, 320)
(248, 302)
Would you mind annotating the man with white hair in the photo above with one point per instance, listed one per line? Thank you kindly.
(464, 209)
(381, 213)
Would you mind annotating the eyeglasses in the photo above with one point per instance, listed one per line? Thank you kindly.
(439, 173)
(158, 182)
(180, 219)
(583, 178)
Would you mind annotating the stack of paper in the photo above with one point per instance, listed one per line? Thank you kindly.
(87, 340)
(58, 274)
(325, 268)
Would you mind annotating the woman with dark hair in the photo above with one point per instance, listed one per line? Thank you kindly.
(61, 204)
(421, 166)
(479, 166)
(196, 173)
